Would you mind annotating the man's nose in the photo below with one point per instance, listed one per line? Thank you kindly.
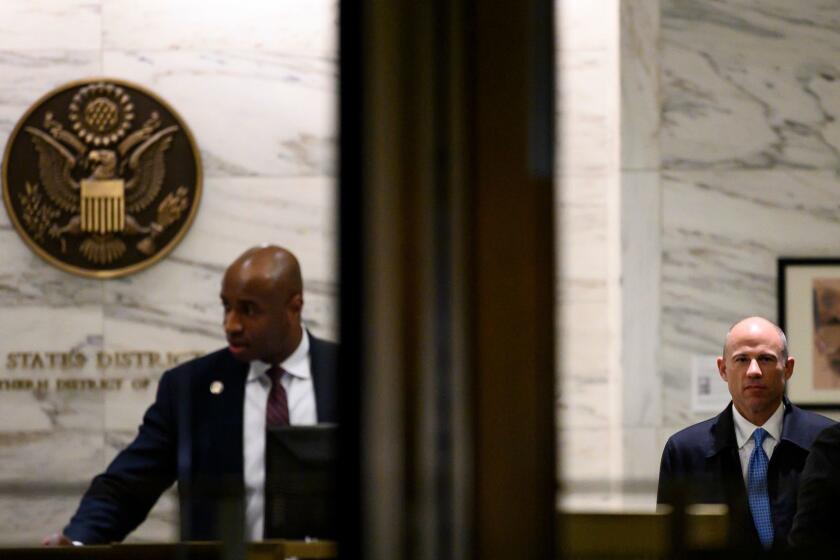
(232, 323)
(754, 370)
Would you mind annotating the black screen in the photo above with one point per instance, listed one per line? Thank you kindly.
(300, 482)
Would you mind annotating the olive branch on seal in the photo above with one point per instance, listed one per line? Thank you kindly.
(36, 214)
(169, 210)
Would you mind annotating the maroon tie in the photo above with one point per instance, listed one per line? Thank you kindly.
(277, 408)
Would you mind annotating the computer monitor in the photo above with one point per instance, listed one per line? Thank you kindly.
(301, 482)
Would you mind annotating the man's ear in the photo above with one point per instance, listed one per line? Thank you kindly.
(721, 364)
(789, 368)
(296, 303)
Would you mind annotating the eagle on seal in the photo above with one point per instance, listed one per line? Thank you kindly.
(103, 188)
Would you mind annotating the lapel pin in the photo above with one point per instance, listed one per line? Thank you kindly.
(217, 387)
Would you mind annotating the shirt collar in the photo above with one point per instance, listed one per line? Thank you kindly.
(296, 364)
(744, 428)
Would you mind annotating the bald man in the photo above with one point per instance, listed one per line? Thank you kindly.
(206, 428)
(750, 456)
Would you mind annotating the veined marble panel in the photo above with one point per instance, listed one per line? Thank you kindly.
(28, 75)
(641, 464)
(589, 461)
(26, 518)
(252, 113)
(586, 459)
(175, 326)
(641, 230)
(750, 85)
(584, 399)
(294, 27)
(584, 190)
(295, 212)
(723, 234)
(578, 291)
(169, 284)
(320, 311)
(640, 96)
(196, 322)
(587, 102)
(584, 242)
(50, 24)
(27, 280)
(65, 456)
(52, 408)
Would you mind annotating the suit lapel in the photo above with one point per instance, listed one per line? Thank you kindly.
(322, 361)
(222, 390)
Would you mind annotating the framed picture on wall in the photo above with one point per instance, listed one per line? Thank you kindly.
(809, 313)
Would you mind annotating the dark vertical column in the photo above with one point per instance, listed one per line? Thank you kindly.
(446, 280)
(351, 304)
(514, 278)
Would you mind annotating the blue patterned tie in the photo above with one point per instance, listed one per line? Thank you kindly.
(757, 490)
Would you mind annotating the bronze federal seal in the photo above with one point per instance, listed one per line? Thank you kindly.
(101, 178)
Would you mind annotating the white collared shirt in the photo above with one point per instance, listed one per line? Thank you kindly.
(300, 394)
(743, 435)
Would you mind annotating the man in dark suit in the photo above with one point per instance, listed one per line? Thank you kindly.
(206, 428)
(815, 525)
(751, 455)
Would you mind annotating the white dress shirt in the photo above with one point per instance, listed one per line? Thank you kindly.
(301, 398)
(743, 435)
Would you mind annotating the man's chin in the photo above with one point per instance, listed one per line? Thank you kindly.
(763, 404)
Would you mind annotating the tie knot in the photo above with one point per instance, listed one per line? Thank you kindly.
(275, 373)
(758, 435)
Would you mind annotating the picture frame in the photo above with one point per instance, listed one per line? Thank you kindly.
(809, 314)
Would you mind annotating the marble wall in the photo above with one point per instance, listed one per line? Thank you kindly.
(736, 168)
(640, 242)
(750, 154)
(257, 86)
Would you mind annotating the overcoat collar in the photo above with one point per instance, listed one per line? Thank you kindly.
(723, 429)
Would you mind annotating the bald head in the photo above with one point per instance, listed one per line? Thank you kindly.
(275, 264)
(753, 323)
(262, 295)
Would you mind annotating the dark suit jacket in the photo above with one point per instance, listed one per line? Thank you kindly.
(700, 464)
(195, 437)
(817, 521)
